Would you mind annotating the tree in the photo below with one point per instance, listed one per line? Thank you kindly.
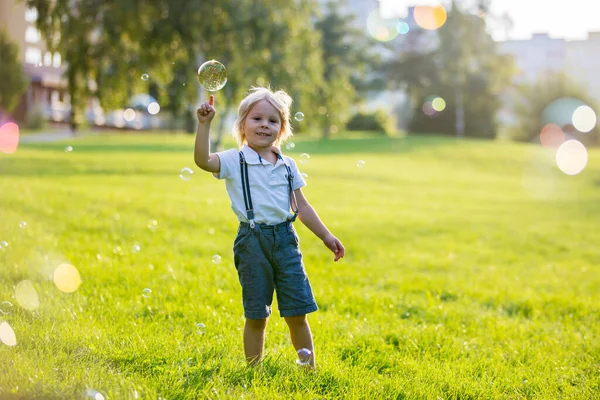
(12, 78)
(465, 70)
(551, 99)
(346, 60)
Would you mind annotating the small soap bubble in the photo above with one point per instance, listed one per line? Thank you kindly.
(216, 259)
(201, 328)
(290, 145)
(211, 231)
(22, 224)
(3, 244)
(304, 175)
(304, 357)
(360, 164)
(93, 394)
(304, 157)
(152, 224)
(68, 149)
(6, 307)
(135, 248)
(145, 77)
(212, 75)
(147, 293)
(117, 250)
(186, 174)
(299, 116)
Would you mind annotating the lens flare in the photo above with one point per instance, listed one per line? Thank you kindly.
(9, 137)
(7, 335)
(571, 157)
(428, 17)
(66, 278)
(27, 296)
(551, 136)
(584, 119)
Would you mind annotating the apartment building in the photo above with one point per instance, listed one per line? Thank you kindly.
(47, 89)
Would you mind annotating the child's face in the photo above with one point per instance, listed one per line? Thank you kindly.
(262, 125)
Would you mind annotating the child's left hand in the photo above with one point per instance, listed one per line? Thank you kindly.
(334, 245)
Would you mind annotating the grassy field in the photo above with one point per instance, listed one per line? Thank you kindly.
(471, 271)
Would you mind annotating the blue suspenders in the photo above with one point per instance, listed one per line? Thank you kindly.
(246, 189)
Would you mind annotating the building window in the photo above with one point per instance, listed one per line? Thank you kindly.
(32, 35)
(31, 15)
(47, 58)
(56, 60)
(33, 55)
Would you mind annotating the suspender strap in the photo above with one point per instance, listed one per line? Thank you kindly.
(290, 179)
(248, 197)
(246, 190)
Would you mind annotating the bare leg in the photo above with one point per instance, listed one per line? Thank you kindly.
(301, 335)
(254, 339)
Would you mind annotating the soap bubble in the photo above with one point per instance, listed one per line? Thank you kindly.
(145, 77)
(299, 116)
(93, 394)
(216, 259)
(201, 328)
(360, 164)
(147, 292)
(135, 248)
(304, 157)
(290, 145)
(152, 224)
(3, 244)
(22, 224)
(304, 357)
(6, 307)
(212, 75)
(68, 149)
(186, 174)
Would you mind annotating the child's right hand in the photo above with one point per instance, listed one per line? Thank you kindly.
(206, 112)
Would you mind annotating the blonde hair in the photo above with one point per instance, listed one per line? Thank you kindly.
(279, 99)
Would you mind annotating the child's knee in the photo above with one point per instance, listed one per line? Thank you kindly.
(295, 321)
(256, 323)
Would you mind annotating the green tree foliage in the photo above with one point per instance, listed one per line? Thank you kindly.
(12, 78)
(347, 59)
(551, 99)
(466, 67)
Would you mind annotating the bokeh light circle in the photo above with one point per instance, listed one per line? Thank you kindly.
(212, 76)
(402, 27)
(571, 157)
(584, 119)
(438, 104)
(153, 108)
(129, 114)
(66, 278)
(9, 137)
(382, 29)
(430, 17)
(27, 296)
(551, 136)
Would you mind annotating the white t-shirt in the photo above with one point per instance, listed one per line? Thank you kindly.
(268, 185)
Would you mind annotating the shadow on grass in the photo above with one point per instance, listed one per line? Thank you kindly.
(362, 144)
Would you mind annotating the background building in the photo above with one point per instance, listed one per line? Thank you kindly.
(47, 91)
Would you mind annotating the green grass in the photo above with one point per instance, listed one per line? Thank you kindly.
(471, 271)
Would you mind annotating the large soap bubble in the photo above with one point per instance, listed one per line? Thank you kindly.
(212, 75)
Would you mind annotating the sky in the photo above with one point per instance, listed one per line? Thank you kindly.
(567, 19)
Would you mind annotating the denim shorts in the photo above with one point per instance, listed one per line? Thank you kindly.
(268, 259)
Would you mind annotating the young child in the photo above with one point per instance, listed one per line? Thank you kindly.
(263, 186)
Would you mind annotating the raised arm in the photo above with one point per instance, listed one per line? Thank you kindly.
(310, 218)
(202, 157)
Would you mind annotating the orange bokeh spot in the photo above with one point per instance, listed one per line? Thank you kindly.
(552, 136)
(9, 137)
(428, 17)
